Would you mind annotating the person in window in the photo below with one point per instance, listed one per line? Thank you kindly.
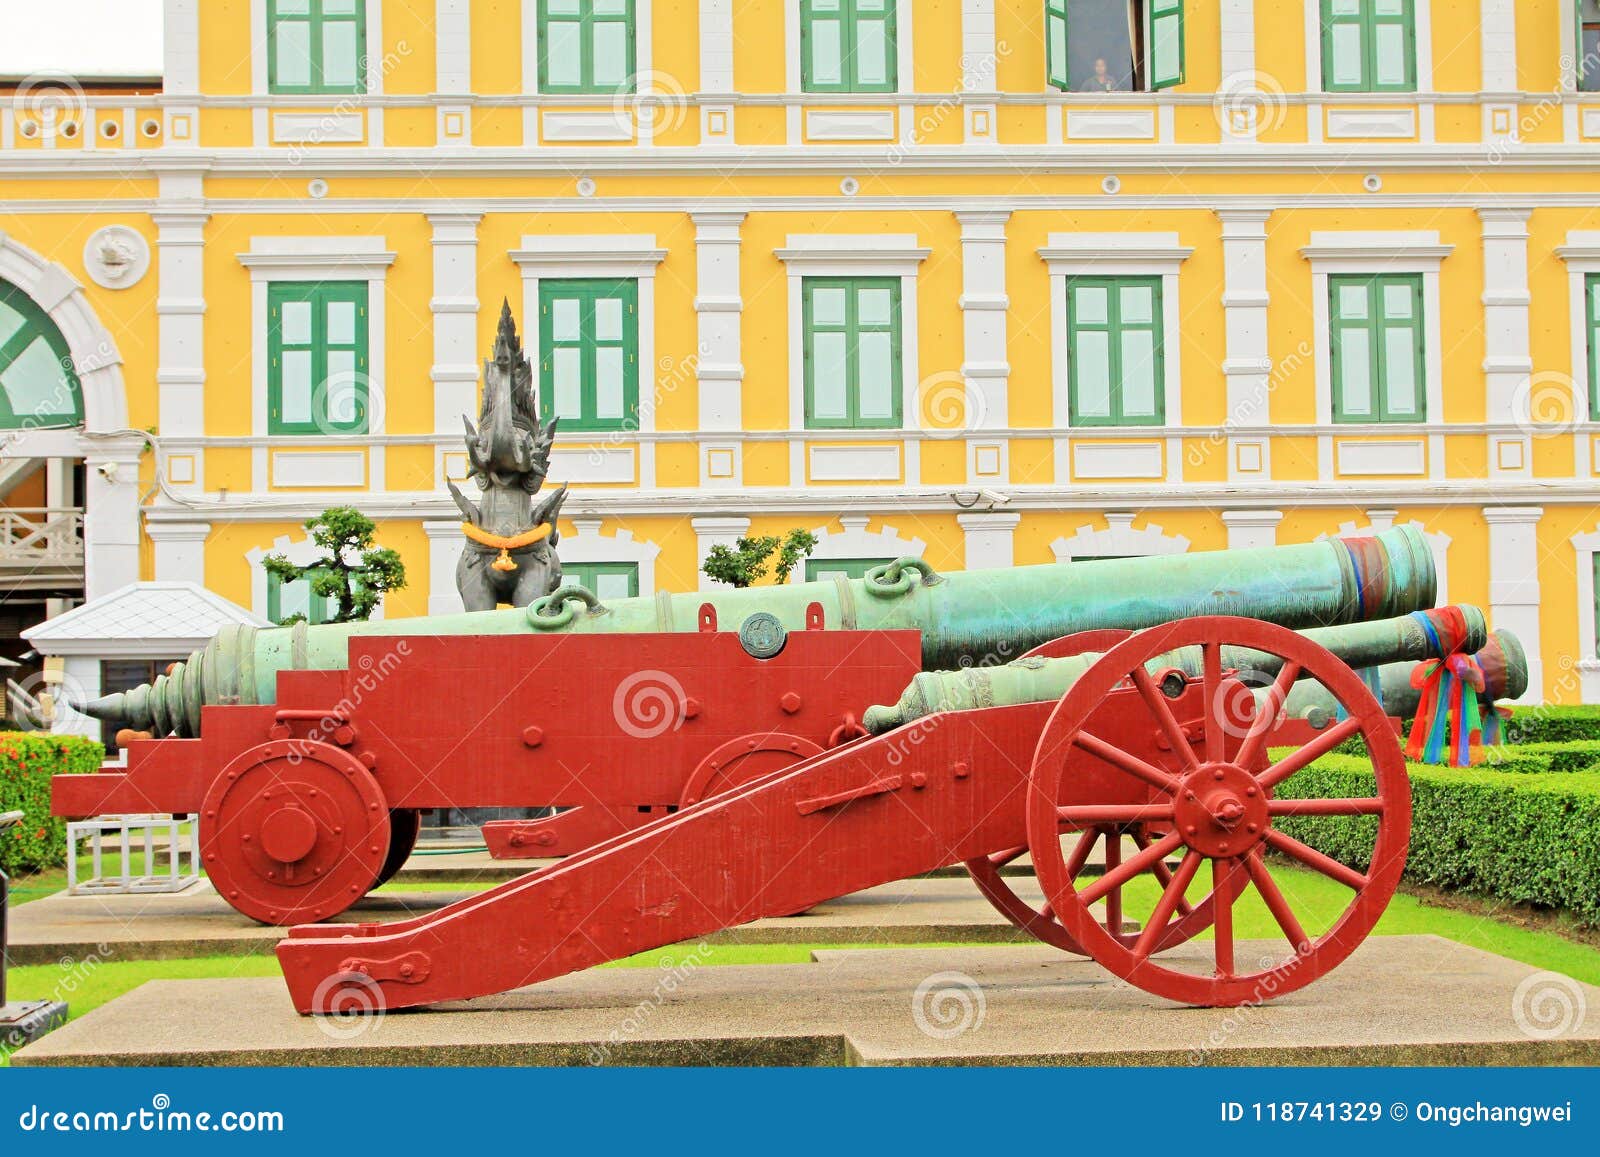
(1101, 80)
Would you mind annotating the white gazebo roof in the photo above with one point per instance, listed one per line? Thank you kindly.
(141, 621)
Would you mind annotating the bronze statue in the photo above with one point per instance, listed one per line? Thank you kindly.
(510, 553)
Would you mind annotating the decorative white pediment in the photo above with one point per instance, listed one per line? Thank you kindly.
(587, 544)
(855, 541)
(1118, 540)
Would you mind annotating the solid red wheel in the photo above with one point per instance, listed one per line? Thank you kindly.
(293, 832)
(744, 760)
(405, 824)
(1041, 923)
(1217, 806)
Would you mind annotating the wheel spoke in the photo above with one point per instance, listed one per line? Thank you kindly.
(1211, 665)
(1267, 715)
(1325, 807)
(1162, 872)
(1080, 853)
(1222, 907)
(1170, 895)
(1113, 920)
(1311, 752)
(1104, 814)
(1001, 859)
(1277, 903)
(1312, 858)
(1130, 868)
(1126, 761)
(1157, 702)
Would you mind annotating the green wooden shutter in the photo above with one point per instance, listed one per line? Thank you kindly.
(1164, 48)
(1377, 348)
(1055, 44)
(819, 569)
(587, 46)
(848, 46)
(852, 352)
(589, 353)
(1115, 351)
(316, 46)
(605, 580)
(1579, 66)
(317, 358)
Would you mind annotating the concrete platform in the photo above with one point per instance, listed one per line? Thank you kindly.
(1410, 1000)
(198, 922)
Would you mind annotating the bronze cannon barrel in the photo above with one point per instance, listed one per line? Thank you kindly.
(966, 618)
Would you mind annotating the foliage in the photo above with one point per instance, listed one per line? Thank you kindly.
(27, 761)
(343, 532)
(1526, 837)
(1554, 724)
(746, 564)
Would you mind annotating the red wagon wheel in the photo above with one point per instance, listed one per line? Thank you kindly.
(987, 872)
(1218, 807)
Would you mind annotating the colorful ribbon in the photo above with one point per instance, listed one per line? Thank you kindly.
(1450, 721)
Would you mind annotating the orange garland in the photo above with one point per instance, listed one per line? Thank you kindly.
(506, 545)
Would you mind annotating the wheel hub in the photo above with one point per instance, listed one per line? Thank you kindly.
(1221, 810)
(288, 834)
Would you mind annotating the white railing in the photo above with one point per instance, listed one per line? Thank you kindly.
(39, 538)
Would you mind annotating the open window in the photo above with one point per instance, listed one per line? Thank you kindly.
(1586, 49)
(1099, 46)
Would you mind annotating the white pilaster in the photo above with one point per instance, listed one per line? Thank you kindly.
(1247, 364)
(1497, 36)
(1514, 583)
(1252, 529)
(1238, 26)
(180, 36)
(716, 71)
(990, 539)
(180, 322)
(453, 71)
(985, 372)
(716, 530)
(111, 514)
(1507, 363)
(718, 365)
(455, 323)
(979, 64)
(444, 551)
(180, 550)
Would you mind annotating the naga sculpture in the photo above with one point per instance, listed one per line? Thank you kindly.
(510, 553)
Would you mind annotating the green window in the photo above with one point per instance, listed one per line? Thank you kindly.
(316, 46)
(852, 352)
(1369, 46)
(1587, 56)
(607, 581)
(823, 569)
(285, 600)
(1091, 45)
(589, 353)
(317, 358)
(1378, 362)
(38, 385)
(1116, 367)
(586, 46)
(847, 46)
(1591, 297)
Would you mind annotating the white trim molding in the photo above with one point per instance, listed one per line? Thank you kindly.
(1514, 556)
(990, 539)
(1587, 660)
(587, 544)
(1118, 540)
(454, 307)
(1582, 256)
(180, 554)
(1117, 255)
(985, 369)
(854, 540)
(1252, 529)
(1247, 362)
(602, 116)
(349, 258)
(1373, 252)
(321, 127)
(1420, 114)
(719, 370)
(1508, 360)
(620, 256)
(856, 255)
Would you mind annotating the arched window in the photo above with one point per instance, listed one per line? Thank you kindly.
(38, 386)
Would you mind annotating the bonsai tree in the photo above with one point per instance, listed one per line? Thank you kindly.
(354, 572)
(747, 562)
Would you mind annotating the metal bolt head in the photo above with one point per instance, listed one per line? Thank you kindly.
(790, 702)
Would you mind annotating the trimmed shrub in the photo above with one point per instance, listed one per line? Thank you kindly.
(27, 761)
(1554, 724)
(1526, 837)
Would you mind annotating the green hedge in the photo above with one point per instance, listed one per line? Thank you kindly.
(1554, 724)
(1528, 837)
(27, 762)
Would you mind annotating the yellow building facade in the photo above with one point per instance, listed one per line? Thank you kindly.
(995, 282)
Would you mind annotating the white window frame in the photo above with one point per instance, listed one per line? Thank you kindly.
(374, 86)
(642, 69)
(854, 255)
(618, 256)
(1423, 23)
(904, 62)
(1116, 255)
(853, 540)
(1119, 540)
(319, 259)
(1587, 545)
(588, 545)
(1582, 256)
(1366, 253)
